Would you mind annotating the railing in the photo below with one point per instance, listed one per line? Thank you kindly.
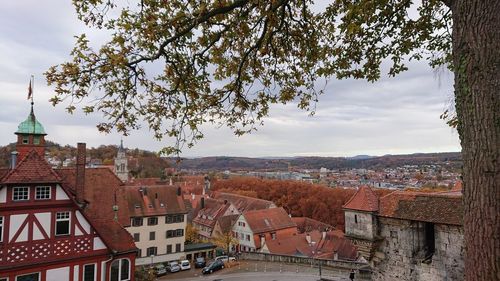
(342, 264)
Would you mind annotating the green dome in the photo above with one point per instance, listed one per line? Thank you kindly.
(30, 126)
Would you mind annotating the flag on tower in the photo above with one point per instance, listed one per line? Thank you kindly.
(30, 91)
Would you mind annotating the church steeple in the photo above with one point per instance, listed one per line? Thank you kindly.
(30, 135)
(121, 163)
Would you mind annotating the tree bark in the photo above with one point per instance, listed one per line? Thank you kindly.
(476, 57)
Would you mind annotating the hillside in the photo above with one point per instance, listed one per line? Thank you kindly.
(451, 159)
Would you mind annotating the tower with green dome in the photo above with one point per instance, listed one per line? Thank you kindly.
(30, 135)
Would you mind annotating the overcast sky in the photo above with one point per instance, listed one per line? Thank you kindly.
(393, 116)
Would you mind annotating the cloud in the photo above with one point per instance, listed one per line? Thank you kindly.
(393, 115)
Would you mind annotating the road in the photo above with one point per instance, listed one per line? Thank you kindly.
(262, 271)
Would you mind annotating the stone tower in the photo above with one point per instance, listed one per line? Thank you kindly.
(30, 135)
(121, 163)
(361, 226)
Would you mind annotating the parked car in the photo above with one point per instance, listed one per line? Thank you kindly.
(185, 265)
(160, 269)
(200, 262)
(214, 266)
(225, 258)
(173, 266)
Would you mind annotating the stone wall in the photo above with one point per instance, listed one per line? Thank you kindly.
(360, 224)
(401, 255)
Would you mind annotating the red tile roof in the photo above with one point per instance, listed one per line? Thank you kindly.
(244, 203)
(363, 200)
(267, 220)
(305, 224)
(324, 248)
(213, 210)
(31, 169)
(153, 200)
(422, 206)
(101, 184)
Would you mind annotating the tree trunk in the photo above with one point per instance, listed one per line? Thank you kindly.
(476, 56)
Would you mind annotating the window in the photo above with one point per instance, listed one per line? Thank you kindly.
(29, 277)
(152, 221)
(430, 240)
(177, 248)
(25, 139)
(89, 272)
(169, 249)
(179, 218)
(4, 278)
(273, 235)
(355, 218)
(169, 219)
(42, 192)
(170, 234)
(175, 233)
(179, 232)
(1, 230)
(152, 235)
(139, 254)
(151, 251)
(20, 193)
(136, 221)
(240, 223)
(136, 237)
(36, 140)
(120, 270)
(248, 237)
(62, 223)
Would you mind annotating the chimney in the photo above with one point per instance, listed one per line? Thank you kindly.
(13, 159)
(178, 191)
(308, 238)
(80, 172)
(202, 202)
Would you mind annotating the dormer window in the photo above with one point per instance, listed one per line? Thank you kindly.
(42, 193)
(20, 193)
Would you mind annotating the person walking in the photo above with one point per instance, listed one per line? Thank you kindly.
(351, 275)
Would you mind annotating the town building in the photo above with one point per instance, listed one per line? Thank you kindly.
(243, 203)
(156, 217)
(49, 230)
(253, 228)
(408, 235)
(210, 211)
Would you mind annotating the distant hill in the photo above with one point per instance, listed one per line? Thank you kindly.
(451, 159)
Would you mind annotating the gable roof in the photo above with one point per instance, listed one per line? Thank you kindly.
(305, 224)
(31, 169)
(226, 222)
(152, 200)
(363, 200)
(101, 185)
(321, 247)
(422, 206)
(244, 203)
(267, 220)
(213, 210)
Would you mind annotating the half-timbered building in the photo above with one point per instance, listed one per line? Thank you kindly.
(49, 230)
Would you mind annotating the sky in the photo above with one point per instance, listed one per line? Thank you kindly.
(396, 115)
